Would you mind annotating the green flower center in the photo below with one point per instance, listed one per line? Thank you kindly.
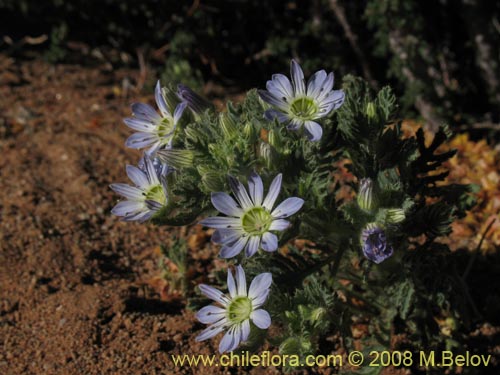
(239, 309)
(165, 127)
(304, 108)
(156, 193)
(256, 221)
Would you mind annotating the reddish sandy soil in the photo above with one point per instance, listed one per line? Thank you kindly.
(74, 291)
(74, 297)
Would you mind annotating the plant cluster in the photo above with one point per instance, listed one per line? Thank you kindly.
(263, 174)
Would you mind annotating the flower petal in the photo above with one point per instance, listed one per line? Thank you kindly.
(145, 112)
(139, 125)
(141, 216)
(271, 114)
(288, 207)
(256, 189)
(141, 140)
(298, 82)
(211, 331)
(261, 318)
(333, 100)
(260, 284)
(127, 191)
(261, 299)
(245, 330)
(226, 236)
(160, 101)
(252, 246)
(314, 131)
(224, 203)
(137, 176)
(315, 84)
(179, 110)
(231, 340)
(240, 193)
(271, 99)
(151, 171)
(221, 222)
(326, 87)
(214, 294)
(241, 281)
(295, 124)
(210, 314)
(231, 285)
(126, 208)
(283, 84)
(273, 192)
(269, 242)
(231, 250)
(279, 225)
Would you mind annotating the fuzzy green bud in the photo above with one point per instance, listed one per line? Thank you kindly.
(177, 158)
(250, 131)
(317, 314)
(275, 139)
(266, 153)
(371, 112)
(227, 124)
(367, 195)
(294, 345)
(212, 181)
(394, 215)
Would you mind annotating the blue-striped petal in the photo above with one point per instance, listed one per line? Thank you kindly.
(313, 130)
(210, 314)
(218, 222)
(127, 191)
(298, 82)
(273, 192)
(256, 189)
(269, 242)
(252, 246)
(261, 318)
(288, 207)
(224, 203)
(145, 112)
(229, 251)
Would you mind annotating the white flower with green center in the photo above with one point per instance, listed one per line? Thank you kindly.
(153, 130)
(299, 105)
(236, 310)
(250, 218)
(147, 196)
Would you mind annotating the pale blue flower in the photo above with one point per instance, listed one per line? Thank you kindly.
(147, 196)
(236, 310)
(300, 105)
(154, 130)
(250, 218)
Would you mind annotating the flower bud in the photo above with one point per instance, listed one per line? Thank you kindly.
(266, 153)
(374, 243)
(212, 181)
(227, 124)
(394, 215)
(177, 158)
(367, 197)
(317, 314)
(294, 345)
(195, 102)
(371, 112)
(250, 132)
(275, 139)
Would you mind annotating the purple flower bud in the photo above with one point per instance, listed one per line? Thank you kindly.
(195, 102)
(374, 243)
